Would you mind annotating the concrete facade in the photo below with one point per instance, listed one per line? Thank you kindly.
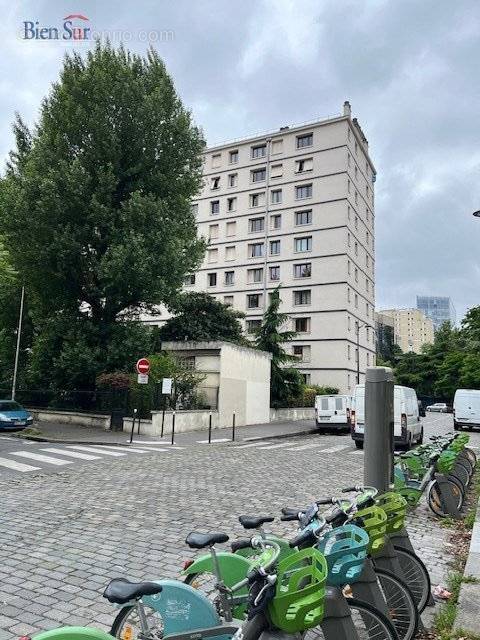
(412, 328)
(242, 376)
(295, 208)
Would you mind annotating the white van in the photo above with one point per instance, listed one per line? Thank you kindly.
(332, 411)
(466, 408)
(407, 426)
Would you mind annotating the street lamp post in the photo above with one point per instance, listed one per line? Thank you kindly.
(17, 350)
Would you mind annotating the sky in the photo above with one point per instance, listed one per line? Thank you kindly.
(408, 67)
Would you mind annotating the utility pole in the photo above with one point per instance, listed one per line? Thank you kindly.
(17, 350)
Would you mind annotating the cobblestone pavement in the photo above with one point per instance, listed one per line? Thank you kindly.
(65, 533)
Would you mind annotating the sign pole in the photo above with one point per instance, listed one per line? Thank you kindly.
(173, 427)
(17, 350)
(233, 427)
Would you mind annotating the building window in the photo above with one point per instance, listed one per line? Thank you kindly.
(356, 147)
(367, 284)
(259, 151)
(348, 294)
(368, 238)
(348, 266)
(303, 217)
(256, 224)
(305, 140)
(214, 206)
(303, 244)
(274, 247)
(367, 260)
(228, 301)
(258, 175)
(253, 300)
(215, 183)
(212, 279)
(229, 278)
(253, 325)
(301, 352)
(233, 157)
(190, 279)
(356, 274)
(356, 173)
(255, 275)
(302, 270)
(277, 146)
(301, 166)
(257, 199)
(307, 378)
(349, 352)
(356, 197)
(231, 228)
(212, 255)
(349, 323)
(302, 297)
(356, 248)
(356, 301)
(276, 221)
(213, 231)
(216, 160)
(368, 359)
(348, 239)
(276, 196)
(356, 222)
(301, 325)
(232, 179)
(230, 253)
(231, 204)
(255, 250)
(276, 171)
(274, 273)
(304, 191)
(194, 208)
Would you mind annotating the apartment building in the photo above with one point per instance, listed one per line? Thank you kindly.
(412, 328)
(295, 208)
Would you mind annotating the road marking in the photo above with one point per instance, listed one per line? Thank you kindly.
(164, 441)
(312, 445)
(252, 444)
(277, 446)
(17, 466)
(334, 449)
(134, 449)
(356, 452)
(101, 450)
(73, 454)
(214, 440)
(150, 449)
(40, 457)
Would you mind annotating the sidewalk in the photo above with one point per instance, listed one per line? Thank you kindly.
(71, 433)
(468, 612)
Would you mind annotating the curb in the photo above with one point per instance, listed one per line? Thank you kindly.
(278, 436)
(468, 612)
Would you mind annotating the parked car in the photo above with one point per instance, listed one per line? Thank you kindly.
(332, 411)
(466, 409)
(439, 407)
(407, 428)
(14, 416)
(421, 409)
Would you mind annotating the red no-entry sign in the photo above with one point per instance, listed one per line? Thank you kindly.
(143, 365)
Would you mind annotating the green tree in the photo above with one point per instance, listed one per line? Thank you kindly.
(200, 317)
(286, 382)
(95, 206)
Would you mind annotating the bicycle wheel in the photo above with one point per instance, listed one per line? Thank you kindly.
(465, 462)
(460, 472)
(433, 498)
(416, 576)
(126, 625)
(402, 609)
(369, 624)
(471, 455)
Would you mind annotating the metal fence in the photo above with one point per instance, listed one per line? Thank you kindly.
(145, 399)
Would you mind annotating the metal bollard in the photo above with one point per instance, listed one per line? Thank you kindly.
(378, 437)
(133, 425)
(173, 428)
(233, 427)
(210, 427)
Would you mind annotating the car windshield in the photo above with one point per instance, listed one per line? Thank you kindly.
(9, 405)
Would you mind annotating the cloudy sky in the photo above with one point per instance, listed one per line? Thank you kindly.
(410, 69)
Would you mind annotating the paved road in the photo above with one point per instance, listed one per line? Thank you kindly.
(67, 528)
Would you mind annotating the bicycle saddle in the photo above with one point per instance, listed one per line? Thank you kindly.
(202, 540)
(253, 522)
(121, 590)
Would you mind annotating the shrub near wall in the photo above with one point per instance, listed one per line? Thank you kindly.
(307, 398)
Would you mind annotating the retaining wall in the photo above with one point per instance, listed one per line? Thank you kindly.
(98, 421)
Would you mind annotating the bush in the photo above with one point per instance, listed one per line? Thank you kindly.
(307, 397)
(116, 380)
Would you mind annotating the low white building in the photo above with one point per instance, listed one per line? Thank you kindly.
(237, 378)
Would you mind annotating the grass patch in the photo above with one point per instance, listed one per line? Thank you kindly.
(29, 431)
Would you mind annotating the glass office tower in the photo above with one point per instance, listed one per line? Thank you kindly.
(439, 309)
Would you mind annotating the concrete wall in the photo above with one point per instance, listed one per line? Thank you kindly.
(184, 421)
(302, 413)
(70, 417)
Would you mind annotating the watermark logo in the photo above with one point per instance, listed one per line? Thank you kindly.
(72, 29)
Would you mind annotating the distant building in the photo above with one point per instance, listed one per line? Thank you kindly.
(439, 309)
(411, 328)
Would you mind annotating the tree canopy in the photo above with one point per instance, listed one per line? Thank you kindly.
(95, 204)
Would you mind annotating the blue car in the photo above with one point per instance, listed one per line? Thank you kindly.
(14, 416)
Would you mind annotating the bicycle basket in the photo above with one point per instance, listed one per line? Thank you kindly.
(459, 443)
(298, 603)
(375, 524)
(396, 509)
(345, 550)
(446, 461)
(411, 494)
